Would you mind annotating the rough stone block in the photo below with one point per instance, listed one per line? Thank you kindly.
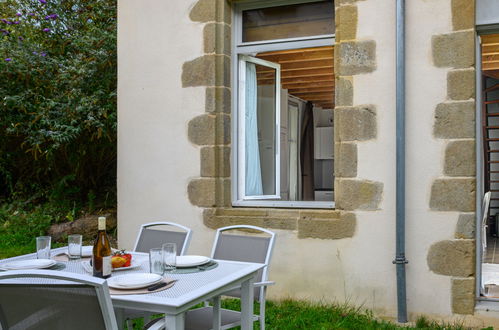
(358, 194)
(461, 84)
(216, 38)
(207, 70)
(463, 14)
(344, 2)
(455, 120)
(215, 161)
(345, 160)
(211, 11)
(463, 295)
(465, 227)
(222, 126)
(343, 91)
(355, 57)
(320, 214)
(460, 158)
(355, 123)
(346, 22)
(280, 223)
(323, 228)
(217, 99)
(242, 212)
(201, 130)
(453, 195)
(452, 257)
(456, 49)
(209, 192)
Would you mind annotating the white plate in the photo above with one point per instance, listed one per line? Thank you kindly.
(191, 261)
(28, 264)
(133, 281)
(133, 264)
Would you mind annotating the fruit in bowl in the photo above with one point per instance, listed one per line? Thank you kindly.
(121, 259)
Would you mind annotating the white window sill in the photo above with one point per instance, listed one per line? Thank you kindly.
(286, 204)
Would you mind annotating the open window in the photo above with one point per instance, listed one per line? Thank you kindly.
(259, 127)
(283, 107)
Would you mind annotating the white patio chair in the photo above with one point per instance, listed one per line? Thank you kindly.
(34, 299)
(485, 216)
(151, 236)
(246, 247)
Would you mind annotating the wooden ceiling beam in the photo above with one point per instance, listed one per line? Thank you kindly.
(295, 51)
(312, 86)
(325, 105)
(297, 67)
(311, 91)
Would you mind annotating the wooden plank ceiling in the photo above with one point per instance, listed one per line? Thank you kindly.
(306, 73)
(490, 55)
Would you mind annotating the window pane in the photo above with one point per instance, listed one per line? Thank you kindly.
(260, 139)
(300, 20)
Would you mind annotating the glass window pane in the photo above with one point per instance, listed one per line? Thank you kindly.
(260, 122)
(291, 21)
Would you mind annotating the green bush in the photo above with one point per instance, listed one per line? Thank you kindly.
(58, 99)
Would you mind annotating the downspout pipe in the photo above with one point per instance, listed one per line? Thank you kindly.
(400, 260)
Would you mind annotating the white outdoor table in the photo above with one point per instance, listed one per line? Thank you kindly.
(189, 290)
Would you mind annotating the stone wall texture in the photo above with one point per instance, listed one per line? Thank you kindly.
(455, 190)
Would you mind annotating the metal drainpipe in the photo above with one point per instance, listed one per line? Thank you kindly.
(400, 260)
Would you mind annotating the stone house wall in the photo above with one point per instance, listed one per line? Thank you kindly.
(354, 244)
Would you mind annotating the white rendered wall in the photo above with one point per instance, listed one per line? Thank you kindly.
(155, 158)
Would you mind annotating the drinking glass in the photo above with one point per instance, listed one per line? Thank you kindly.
(170, 257)
(156, 261)
(74, 246)
(43, 247)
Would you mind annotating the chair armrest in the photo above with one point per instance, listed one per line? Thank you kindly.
(156, 324)
(264, 283)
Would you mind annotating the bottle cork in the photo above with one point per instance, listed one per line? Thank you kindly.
(102, 223)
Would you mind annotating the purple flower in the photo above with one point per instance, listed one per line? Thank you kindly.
(46, 30)
(54, 16)
(43, 1)
(43, 54)
(5, 32)
(47, 17)
(31, 14)
(9, 22)
(21, 38)
(4, 20)
(17, 22)
(8, 59)
(35, 53)
(18, 14)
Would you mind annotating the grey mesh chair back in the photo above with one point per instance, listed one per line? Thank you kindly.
(37, 299)
(151, 237)
(245, 247)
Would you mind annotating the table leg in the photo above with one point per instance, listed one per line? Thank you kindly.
(175, 322)
(247, 294)
(216, 313)
(120, 317)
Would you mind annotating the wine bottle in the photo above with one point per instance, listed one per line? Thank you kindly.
(101, 254)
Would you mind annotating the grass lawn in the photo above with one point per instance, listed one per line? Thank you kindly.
(290, 314)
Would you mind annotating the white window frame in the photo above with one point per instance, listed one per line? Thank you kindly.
(243, 59)
(240, 49)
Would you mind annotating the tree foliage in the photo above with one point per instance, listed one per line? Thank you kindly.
(58, 97)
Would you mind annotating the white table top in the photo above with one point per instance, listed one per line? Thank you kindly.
(188, 290)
